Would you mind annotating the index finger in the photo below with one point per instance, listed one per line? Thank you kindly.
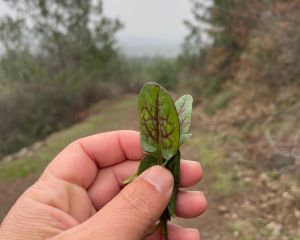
(79, 162)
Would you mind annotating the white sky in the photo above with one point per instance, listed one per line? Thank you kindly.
(155, 19)
(151, 24)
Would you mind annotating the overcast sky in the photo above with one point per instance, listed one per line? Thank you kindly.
(150, 25)
(161, 19)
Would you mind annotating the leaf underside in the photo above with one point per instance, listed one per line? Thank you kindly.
(184, 138)
(184, 107)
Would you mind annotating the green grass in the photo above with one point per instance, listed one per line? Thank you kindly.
(208, 152)
(213, 157)
(250, 229)
(226, 182)
(274, 174)
(110, 119)
(243, 230)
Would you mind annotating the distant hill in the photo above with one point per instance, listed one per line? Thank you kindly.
(145, 46)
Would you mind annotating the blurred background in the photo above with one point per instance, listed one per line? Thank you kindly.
(71, 68)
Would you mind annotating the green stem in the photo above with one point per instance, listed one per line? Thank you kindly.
(163, 221)
(129, 179)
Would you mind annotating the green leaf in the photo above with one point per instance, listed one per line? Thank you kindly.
(184, 107)
(184, 138)
(130, 179)
(159, 122)
(163, 224)
(147, 162)
(174, 167)
(164, 127)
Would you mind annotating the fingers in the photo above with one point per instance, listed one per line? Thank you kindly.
(79, 162)
(190, 204)
(190, 173)
(108, 182)
(104, 150)
(132, 212)
(177, 233)
(111, 148)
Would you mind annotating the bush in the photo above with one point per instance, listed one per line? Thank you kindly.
(34, 111)
(165, 72)
(160, 70)
(72, 63)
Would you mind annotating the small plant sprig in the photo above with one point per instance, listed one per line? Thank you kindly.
(164, 127)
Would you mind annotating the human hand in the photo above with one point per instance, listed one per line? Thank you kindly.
(80, 195)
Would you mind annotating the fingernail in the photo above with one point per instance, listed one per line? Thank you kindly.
(192, 233)
(160, 178)
(201, 194)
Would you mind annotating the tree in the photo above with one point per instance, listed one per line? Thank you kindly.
(254, 35)
(64, 34)
(227, 25)
(56, 55)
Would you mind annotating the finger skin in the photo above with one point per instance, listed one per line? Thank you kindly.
(190, 173)
(131, 213)
(105, 150)
(79, 162)
(176, 232)
(190, 204)
(109, 181)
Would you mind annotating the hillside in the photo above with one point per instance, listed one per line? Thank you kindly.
(245, 201)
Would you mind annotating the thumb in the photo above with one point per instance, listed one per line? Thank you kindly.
(133, 211)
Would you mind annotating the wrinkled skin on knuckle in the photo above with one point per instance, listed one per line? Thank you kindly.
(48, 193)
(140, 200)
(26, 222)
(38, 213)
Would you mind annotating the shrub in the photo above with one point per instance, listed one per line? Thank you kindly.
(33, 111)
(165, 72)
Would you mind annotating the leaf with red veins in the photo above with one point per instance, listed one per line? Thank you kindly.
(159, 124)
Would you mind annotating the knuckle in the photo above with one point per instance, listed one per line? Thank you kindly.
(47, 192)
(138, 203)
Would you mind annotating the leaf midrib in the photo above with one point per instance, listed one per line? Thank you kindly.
(158, 129)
